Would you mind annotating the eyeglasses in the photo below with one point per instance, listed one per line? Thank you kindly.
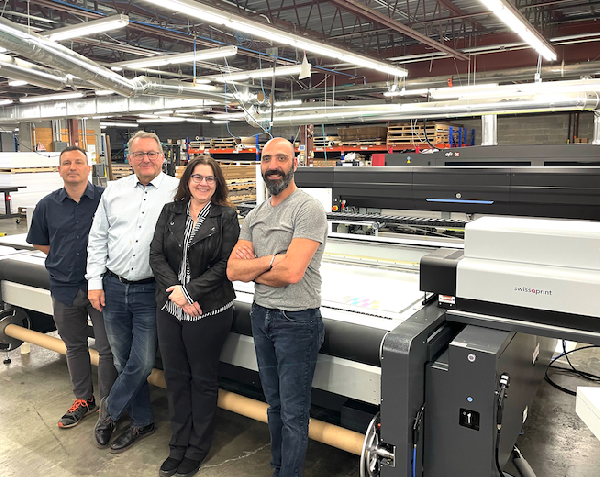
(197, 178)
(139, 156)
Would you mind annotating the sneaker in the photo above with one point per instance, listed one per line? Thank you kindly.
(79, 409)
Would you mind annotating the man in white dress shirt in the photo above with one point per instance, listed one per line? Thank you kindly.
(121, 284)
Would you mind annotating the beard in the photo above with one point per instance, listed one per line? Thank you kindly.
(276, 181)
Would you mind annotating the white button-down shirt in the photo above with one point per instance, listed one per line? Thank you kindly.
(124, 226)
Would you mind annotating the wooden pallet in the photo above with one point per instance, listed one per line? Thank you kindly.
(326, 141)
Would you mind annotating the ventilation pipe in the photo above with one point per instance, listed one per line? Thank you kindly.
(596, 138)
(489, 130)
(42, 50)
(578, 101)
(15, 68)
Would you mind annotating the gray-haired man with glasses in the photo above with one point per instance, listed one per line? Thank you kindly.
(121, 284)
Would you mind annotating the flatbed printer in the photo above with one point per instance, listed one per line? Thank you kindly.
(427, 377)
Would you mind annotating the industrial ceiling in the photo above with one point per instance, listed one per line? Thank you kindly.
(436, 43)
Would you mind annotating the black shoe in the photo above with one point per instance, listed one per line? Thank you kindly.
(188, 467)
(104, 427)
(79, 409)
(169, 467)
(130, 437)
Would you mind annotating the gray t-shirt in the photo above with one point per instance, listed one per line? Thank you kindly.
(271, 230)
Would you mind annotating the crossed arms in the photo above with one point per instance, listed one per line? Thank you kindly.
(287, 268)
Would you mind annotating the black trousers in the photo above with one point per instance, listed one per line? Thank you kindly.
(190, 353)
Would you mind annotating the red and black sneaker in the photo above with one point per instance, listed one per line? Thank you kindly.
(79, 409)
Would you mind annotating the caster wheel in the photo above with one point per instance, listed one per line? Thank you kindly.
(18, 221)
(7, 361)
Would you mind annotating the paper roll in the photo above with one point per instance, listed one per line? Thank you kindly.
(319, 431)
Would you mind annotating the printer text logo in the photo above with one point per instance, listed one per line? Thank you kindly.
(535, 291)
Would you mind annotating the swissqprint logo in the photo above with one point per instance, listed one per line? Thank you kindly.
(535, 291)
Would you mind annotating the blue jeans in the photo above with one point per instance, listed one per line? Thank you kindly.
(287, 344)
(130, 322)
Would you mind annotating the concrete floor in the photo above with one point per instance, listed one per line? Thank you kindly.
(35, 391)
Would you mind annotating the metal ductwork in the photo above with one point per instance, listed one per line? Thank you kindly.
(382, 112)
(36, 75)
(38, 48)
(489, 130)
(596, 137)
(148, 86)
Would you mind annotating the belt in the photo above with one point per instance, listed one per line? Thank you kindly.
(129, 282)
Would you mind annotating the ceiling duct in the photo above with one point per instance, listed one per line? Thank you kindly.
(149, 86)
(18, 69)
(38, 48)
(383, 112)
(42, 50)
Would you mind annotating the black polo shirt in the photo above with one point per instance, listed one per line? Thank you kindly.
(64, 224)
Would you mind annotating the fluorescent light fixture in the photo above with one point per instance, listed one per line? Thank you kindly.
(16, 129)
(460, 91)
(227, 116)
(220, 122)
(88, 28)
(292, 102)
(197, 120)
(116, 68)
(162, 120)
(407, 92)
(198, 110)
(519, 24)
(33, 17)
(119, 124)
(17, 83)
(100, 117)
(5, 102)
(148, 116)
(163, 60)
(236, 22)
(261, 73)
(51, 97)
(104, 92)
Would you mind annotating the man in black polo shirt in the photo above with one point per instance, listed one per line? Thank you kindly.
(60, 227)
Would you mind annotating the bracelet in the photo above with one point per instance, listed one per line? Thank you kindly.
(271, 264)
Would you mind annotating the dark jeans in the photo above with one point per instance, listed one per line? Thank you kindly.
(72, 325)
(130, 321)
(190, 352)
(287, 344)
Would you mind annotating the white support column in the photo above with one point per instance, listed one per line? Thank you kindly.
(489, 130)
(596, 137)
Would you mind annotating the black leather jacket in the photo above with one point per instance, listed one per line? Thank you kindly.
(207, 254)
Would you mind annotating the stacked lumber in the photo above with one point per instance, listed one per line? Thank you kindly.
(326, 141)
(240, 179)
(121, 170)
(403, 133)
(223, 143)
(241, 182)
(363, 136)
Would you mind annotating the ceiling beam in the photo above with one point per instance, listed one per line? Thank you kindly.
(363, 11)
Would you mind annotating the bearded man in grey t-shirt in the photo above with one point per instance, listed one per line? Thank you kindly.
(280, 248)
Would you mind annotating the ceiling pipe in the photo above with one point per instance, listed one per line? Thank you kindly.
(582, 101)
(42, 50)
(596, 137)
(516, 74)
(18, 69)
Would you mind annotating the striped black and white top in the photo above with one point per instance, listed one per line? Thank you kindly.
(184, 269)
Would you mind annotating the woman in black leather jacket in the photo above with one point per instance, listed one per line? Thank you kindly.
(194, 237)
